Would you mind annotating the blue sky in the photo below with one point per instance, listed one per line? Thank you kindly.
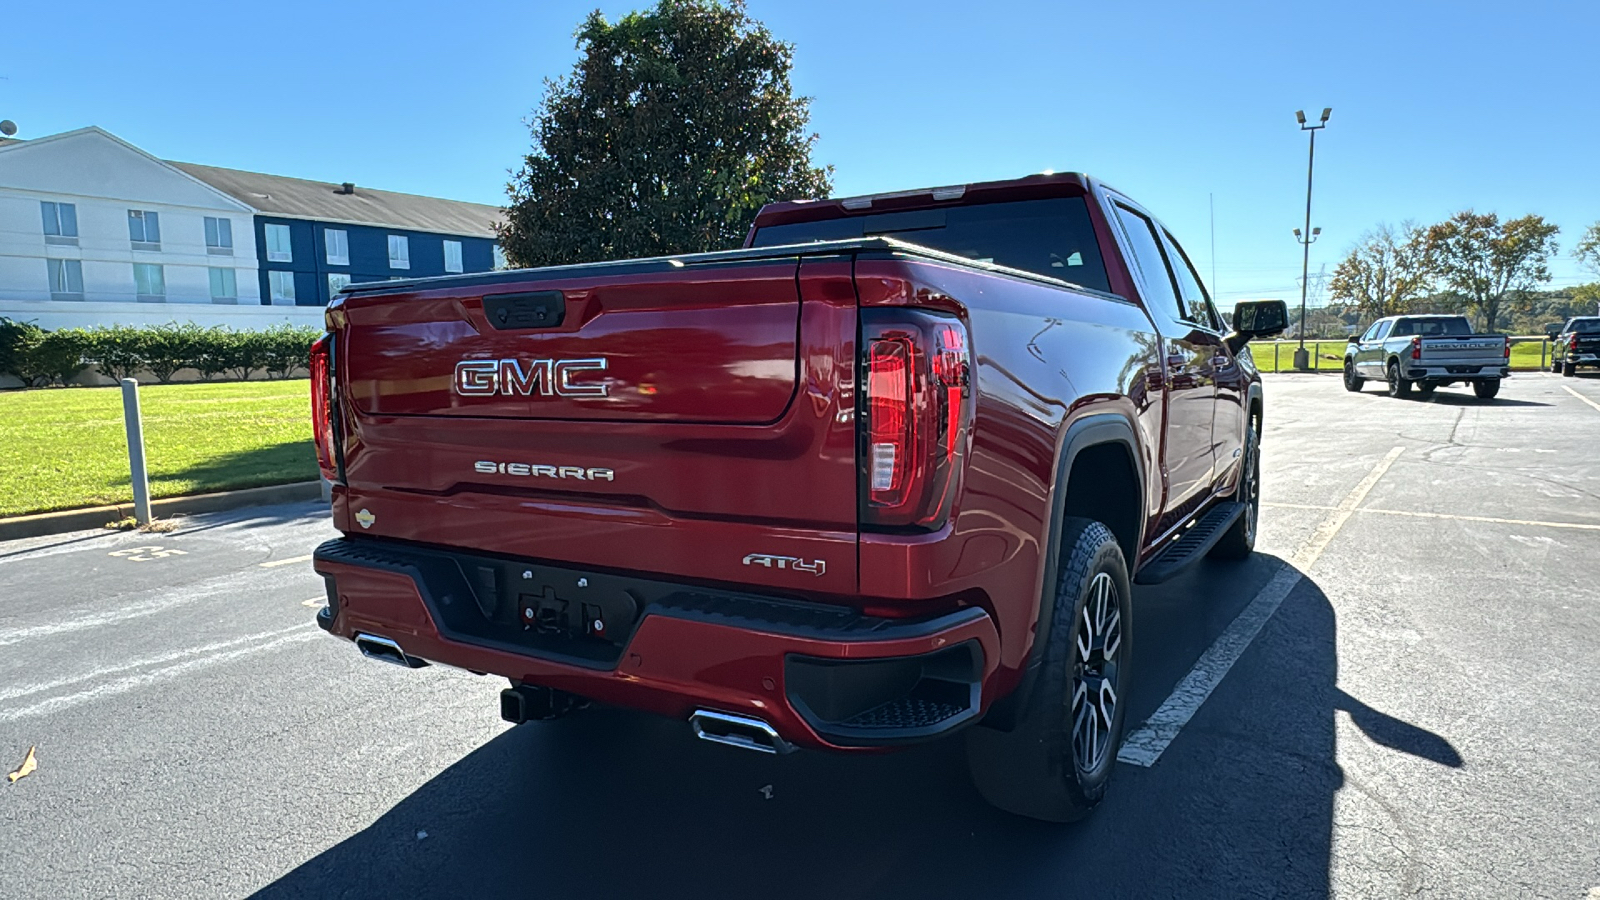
(1437, 106)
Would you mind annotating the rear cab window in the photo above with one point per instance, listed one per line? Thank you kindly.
(1051, 237)
(1434, 326)
(1584, 326)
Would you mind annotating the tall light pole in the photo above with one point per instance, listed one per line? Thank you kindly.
(1301, 360)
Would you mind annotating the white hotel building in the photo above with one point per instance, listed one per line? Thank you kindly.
(94, 231)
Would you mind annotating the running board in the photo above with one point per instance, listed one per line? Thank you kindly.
(1192, 546)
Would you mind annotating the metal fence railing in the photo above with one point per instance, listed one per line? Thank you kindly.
(1528, 354)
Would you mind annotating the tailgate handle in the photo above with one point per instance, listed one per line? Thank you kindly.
(539, 309)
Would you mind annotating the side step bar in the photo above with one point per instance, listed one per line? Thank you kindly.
(737, 731)
(385, 650)
(1193, 545)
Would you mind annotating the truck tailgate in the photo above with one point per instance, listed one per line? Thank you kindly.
(726, 427)
(1475, 349)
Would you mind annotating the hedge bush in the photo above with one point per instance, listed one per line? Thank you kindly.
(38, 357)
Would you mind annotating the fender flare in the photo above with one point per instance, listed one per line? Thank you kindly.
(1092, 430)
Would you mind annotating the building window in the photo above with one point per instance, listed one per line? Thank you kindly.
(500, 259)
(144, 229)
(337, 242)
(66, 279)
(224, 286)
(280, 287)
(149, 282)
(60, 222)
(452, 256)
(336, 283)
(219, 236)
(278, 244)
(399, 251)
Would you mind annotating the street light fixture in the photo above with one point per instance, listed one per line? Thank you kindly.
(1301, 359)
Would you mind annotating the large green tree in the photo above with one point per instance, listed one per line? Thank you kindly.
(1383, 273)
(1491, 264)
(674, 128)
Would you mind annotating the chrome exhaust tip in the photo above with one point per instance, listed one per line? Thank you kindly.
(385, 650)
(738, 731)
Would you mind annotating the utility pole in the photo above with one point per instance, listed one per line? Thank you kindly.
(1301, 360)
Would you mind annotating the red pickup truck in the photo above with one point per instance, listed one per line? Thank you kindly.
(885, 474)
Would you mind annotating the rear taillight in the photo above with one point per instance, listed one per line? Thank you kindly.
(1508, 348)
(1416, 348)
(322, 426)
(916, 408)
(1572, 342)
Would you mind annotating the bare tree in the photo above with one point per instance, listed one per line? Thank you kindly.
(1384, 272)
(1488, 262)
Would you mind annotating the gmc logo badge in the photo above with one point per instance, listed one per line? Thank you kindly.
(536, 377)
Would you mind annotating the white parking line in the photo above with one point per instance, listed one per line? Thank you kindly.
(134, 682)
(1581, 397)
(1494, 520)
(1146, 743)
(13, 693)
(273, 564)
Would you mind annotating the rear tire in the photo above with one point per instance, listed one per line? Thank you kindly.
(1352, 381)
(1568, 370)
(1057, 761)
(1486, 389)
(1398, 387)
(1240, 540)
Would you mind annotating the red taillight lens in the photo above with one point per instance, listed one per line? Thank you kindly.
(1508, 348)
(322, 405)
(1416, 348)
(890, 426)
(916, 409)
(1572, 342)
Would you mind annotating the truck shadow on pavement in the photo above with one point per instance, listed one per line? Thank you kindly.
(613, 804)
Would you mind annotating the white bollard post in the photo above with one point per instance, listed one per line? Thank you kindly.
(135, 427)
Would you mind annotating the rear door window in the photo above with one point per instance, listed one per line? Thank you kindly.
(1051, 237)
(1147, 255)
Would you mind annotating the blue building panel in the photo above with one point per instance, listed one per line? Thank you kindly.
(368, 255)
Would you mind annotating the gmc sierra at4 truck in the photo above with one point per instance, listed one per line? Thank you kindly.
(885, 474)
(1427, 352)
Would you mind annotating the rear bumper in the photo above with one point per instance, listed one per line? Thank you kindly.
(821, 676)
(1458, 373)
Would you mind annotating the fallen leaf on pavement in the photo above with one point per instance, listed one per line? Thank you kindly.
(28, 765)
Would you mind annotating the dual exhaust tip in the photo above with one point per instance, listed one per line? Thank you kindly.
(383, 649)
(743, 732)
(526, 702)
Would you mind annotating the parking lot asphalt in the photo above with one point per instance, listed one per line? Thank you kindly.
(1416, 717)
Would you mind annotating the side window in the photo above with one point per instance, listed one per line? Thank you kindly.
(1195, 305)
(1147, 256)
(1371, 333)
(1383, 331)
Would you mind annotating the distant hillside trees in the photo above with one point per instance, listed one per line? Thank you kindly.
(1473, 262)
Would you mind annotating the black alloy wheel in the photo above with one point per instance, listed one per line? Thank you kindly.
(1240, 540)
(1352, 381)
(1398, 387)
(1055, 761)
(1098, 646)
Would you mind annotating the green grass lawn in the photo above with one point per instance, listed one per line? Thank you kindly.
(1330, 355)
(64, 447)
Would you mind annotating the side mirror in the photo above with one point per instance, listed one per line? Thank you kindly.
(1353, 339)
(1256, 318)
(1552, 330)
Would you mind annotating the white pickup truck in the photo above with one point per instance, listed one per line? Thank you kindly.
(1427, 352)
